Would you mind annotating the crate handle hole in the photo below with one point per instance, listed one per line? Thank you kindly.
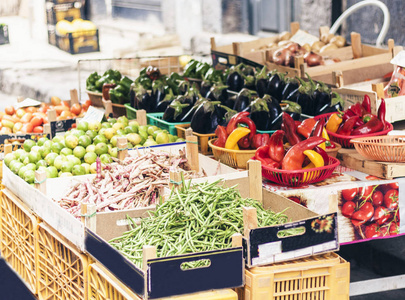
(223, 60)
(286, 233)
(196, 264)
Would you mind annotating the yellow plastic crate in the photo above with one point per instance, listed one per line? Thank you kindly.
(203, 139)
(18, 236)
(225, 294)
(321, 277)
(61, 269)
(102, 285)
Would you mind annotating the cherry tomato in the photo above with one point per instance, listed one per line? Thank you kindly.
(348, 208)
(295, 199)
(372, 231)
(26, 118)
(384, 188)
(381, 215)
(391, 199)
(31, 109)
(27, 128)
(86, 105)
(393, 185)
(359, 217)
(377, 198)
(349, 194)
(366, 192)
(368, 209)
(394, 229)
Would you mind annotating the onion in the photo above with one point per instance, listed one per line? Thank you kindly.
(317, 46)
(312, 59)
(339, 41)
(328, 47)
(279, 57)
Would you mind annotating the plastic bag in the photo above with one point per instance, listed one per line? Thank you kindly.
(396, 85)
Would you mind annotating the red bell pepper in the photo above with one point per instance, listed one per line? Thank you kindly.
(290, 129)
(222, 136)
(347, 126)
(232, 122)
(381, 112)
(260, 140)
(276, 146)
(366, 104)
(357, 109)
(295, 156)
(262, 155)
(374, 125)
(367, 118)
(318, 128)
(306, 127)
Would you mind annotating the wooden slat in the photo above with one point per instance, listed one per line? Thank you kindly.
(351, 159)
(356, 45)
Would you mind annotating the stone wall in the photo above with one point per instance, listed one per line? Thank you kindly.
(314, 14)
(9, 7)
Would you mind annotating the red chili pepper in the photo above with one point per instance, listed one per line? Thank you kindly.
(276, 146)
(290, 129)
(247, 121)
(295, 157)
(222, 136)
(262, 155)
(318, 128)
(347, 126)
(359, 122)
(374, 125)
(306, 127)
(323, 153)
(366, 104)
(381, 112)
(348, 114)
(367, 118)
(260, 140)
(357, 109)
(232, 122)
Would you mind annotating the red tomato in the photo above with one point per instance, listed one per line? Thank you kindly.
(27, 128)
(31, 109)
(393, 185)
(349, 194)
(348, 208)
(368, 209)
(372, 231)
(377, 198)
(76, 108)
(10, 110)
(394, 229)
(66, 103)
(381, 215)
(359, 217)
(366, 192)
(391, 199)
(38, 129)
(26, 118)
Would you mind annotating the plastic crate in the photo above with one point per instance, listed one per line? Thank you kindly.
(102, 285)
(61, 269)
(225, 294)
(156, 119)
(203, 139)
(63, 11)
(325, 276)
(18, 236)
(131, 112)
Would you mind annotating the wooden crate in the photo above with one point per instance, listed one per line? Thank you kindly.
(102, 285)
(18, 237)
(325, 276)
(61, 268)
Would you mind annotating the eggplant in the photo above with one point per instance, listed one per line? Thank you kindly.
(227, 114)
(292, 108)
(144, 100)
(275, 85)
(243, 99)
(261, 82)
(183, 86)
(188, 116)
(158, 93)
(274, 107)
(235, 80)
(332, 108)
(201, 122)
(305, 99)
(176, 110)
(205, 88)
(260, 114)
(291, 84)
(219, 93)
(249, 82)
(162, 105)
(322, 97)
(247, 70)
(192, 95)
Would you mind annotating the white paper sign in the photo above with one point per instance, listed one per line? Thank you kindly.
(399, 59)
(28, 102)
(93, 114)
(301, 37)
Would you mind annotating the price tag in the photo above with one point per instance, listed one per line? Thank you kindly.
(399, 59)
(301, 37)
(93, 114)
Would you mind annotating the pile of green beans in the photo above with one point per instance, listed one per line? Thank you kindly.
(199, 218)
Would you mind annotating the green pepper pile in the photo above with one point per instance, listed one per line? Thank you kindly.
(199, 218)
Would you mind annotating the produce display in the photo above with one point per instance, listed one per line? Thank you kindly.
(76, 152)
(373, 211)
(31, 119)
(133, 182)
(195, 218)
(358, 119)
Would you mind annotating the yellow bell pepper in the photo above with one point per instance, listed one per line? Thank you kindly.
(309, 166)
(325, 136)
(334, 122)
(235, 136)
(315, 158)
